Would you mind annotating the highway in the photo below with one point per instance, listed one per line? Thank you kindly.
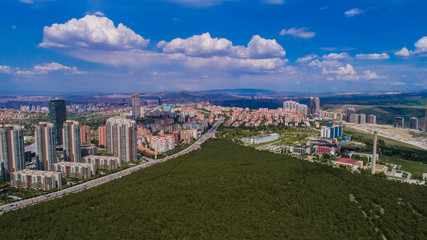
(98, 181)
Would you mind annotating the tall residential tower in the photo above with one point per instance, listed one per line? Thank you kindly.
(57, 116)
(71, 140)
(11, 150)
(121, 138)
(136, 106)
(45, 146)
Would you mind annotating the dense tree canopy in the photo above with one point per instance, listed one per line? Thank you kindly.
(228, 191)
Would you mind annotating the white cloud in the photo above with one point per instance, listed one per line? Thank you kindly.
(336, 56)
(4, 69)
(404, 52)
(307, 58)
(277, 2)
(397, 83)
(91, 32)
(347, 70)
(421, 45)
(298, 32)
(373, 56)
(35, 1)
(206, 46)
(325, 64)
(368, 75)
(49, 67)
(98, 13)
(260, 47)
(198, 46)
(353, 12)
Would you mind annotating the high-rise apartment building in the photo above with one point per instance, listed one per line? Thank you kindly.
(12, 157)
(372, 119)
(136, 106)
(57, 116)
(71, 141)
(314, 105)
(413, 123)
(85, 134)
(295, 107)
(121, 138)
(102, 135)
(361, 118)
(348, 114)
(45, 146)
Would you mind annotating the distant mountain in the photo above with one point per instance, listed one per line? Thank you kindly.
(243, 91)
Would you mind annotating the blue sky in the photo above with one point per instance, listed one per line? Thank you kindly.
(147, 46)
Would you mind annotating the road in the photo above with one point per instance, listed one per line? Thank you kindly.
(101, 180)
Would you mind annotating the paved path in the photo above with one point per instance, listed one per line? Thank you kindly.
(98, 181)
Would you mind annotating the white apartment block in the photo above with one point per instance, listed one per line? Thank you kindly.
(44, 180)
(103, 162)
(76, 169)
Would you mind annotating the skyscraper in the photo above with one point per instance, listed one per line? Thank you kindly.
(160, 101)
(11, 149)
(85, 134)
(121, 138)
(57, 116)
(71, 141)
(45, 146)
(413, 123)
(136, 105)
(102, 135)
(314, 105)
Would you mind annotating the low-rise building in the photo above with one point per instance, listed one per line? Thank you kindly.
(43, 180)
(353, 163)
(261, 138)
(103, 162)
(328, 149)
(75, 169)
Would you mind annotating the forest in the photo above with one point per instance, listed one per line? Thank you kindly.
(228, 191)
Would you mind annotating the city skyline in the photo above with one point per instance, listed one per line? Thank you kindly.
(302, 46)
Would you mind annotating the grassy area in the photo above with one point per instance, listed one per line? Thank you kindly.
(228, 191)
(391, 142)
(415, 168)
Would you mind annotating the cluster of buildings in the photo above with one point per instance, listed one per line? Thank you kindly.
(33, 108)
(263, 117)
(119, 136)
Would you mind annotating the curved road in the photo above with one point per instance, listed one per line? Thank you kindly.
(98, 181)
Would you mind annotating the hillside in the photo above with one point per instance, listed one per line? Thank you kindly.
(227, 191)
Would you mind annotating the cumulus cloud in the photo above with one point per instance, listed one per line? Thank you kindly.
(91, 31)
(277, 2)
(404, 52)
(49, 67)
(4, 69)
(421, 45)
(325, 64)
(346, 70)
(298, 32)
(420, 49)
(368, 75)
(206, 46)
(336, 56)
(307, 58)
(199, 46)
(373, 56)
(353, 12)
